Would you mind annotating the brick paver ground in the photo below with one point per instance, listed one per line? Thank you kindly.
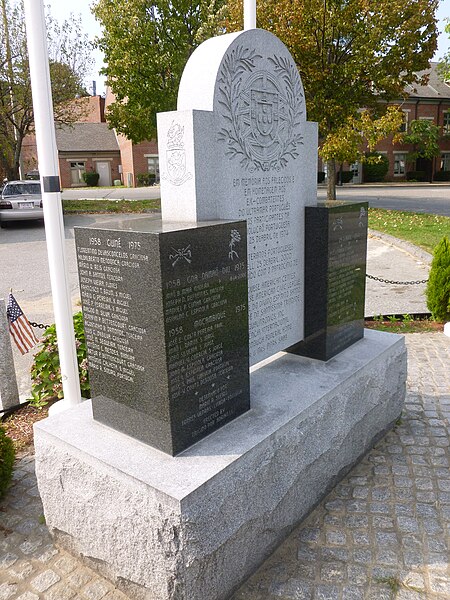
(383, 533)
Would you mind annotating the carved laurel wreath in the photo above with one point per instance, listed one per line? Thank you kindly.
(238, 62)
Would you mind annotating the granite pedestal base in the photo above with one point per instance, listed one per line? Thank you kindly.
(197, 525)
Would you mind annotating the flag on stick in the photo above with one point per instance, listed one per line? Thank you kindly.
(19, 327)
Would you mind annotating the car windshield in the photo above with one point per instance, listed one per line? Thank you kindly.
(21, 189)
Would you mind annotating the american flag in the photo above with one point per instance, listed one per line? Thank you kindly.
(19, 327)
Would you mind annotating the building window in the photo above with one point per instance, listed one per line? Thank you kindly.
(404, 126)
(153, 166)
(446, 128)
(76, 172)
(399, 164)
(445, 161)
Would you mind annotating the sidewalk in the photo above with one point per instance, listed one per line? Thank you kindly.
(395, 260)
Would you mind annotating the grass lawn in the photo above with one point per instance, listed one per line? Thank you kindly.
(423, 230)
(112, 206)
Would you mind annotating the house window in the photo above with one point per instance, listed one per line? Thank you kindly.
(404, 126)
(153, 166)
(445, 161)
(76, 172)
(399, 164)
(446, 128)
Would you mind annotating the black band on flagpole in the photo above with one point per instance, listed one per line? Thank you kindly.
(51, 184)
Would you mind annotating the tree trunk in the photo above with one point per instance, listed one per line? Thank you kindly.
(331, 179)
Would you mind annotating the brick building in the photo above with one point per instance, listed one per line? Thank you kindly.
(90, 145)
(430, 102)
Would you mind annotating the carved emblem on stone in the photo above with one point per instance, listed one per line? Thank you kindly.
(176, 156)
(181, 254)
(338, 223)
(261, 109)
(362, 217)
(235, 239)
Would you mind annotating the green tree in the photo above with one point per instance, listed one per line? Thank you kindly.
(438, 286)
(146, 47)
(425, 138)
(444, 63)
(70, 61)
(350, 53)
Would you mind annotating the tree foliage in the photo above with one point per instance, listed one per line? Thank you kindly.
(70, 61)
(350, 53)
(146, 46)
(424, 135)
(363, 130)
(444, 63)
(438, 286)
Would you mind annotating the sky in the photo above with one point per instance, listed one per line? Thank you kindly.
(61, 11)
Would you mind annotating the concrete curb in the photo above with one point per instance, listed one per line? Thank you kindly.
(411, 249)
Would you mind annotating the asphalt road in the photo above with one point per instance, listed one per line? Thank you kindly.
(143, 193)
(434, 199)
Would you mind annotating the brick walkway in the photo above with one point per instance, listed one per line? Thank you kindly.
(383, 533)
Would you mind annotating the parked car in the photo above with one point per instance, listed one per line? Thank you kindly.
(20, 201)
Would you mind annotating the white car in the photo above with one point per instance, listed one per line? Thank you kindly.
(20, 201)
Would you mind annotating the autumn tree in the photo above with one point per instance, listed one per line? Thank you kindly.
(146, 46)
(70, 62)
(351, 54)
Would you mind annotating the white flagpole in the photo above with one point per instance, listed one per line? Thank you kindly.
(51, 199)
(249, 14)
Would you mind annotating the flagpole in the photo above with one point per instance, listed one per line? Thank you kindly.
(51, 199)
(249, 14)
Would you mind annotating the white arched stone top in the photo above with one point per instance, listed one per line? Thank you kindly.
(199, 81)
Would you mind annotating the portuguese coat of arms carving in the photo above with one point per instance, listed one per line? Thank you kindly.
(176, 156)
(261, 110)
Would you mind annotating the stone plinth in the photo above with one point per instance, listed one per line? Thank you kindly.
(335, 278)
(165, 315)
(197, 525)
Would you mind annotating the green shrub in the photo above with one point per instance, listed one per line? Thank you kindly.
(344, 176)
(375, 167)
(438, 287)
(320, 176)
(145, 179)
(442, 176)
(91, 178)
(6, 461)
(46, 372)
(416, 176)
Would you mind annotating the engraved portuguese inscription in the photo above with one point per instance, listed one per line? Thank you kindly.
(261, 116)
(205, 316)
(111, 331)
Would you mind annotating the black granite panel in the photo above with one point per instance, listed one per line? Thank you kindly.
(166, 323)
(335, 271)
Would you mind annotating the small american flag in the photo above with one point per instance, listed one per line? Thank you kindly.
(19, 327)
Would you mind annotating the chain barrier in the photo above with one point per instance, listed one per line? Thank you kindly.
(39, 325)
(395, 282)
